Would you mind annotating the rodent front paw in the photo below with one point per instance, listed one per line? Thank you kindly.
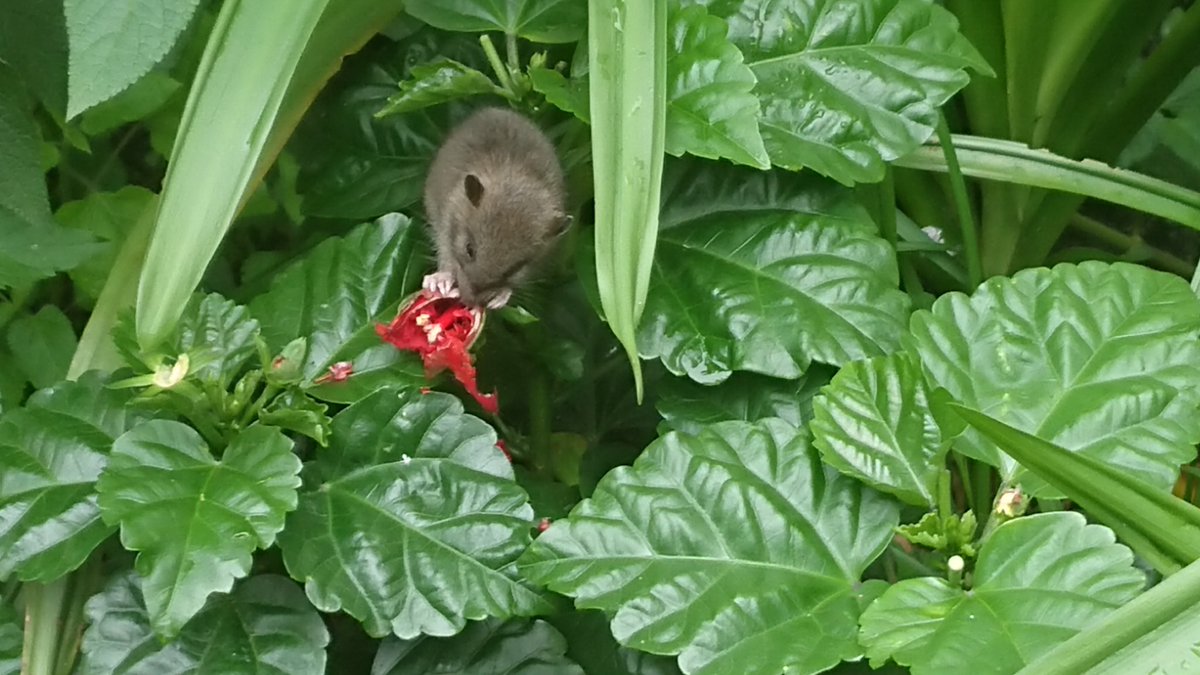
(440, 283)
(500, 299)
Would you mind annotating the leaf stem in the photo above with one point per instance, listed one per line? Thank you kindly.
(493, 58)
(514, 57)
(962, 204)
(43, 630)
(1127, 244)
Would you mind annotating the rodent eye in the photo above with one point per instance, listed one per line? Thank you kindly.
(469, 249)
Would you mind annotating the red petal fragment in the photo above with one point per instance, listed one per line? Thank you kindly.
(544, 525)
(504, 448)
(338, 372)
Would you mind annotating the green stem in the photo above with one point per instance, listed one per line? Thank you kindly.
(958, 188)
(944, 505)
(265, 397)
(43, 627)
(514, 57)
(965, 479)
(493, 58)
(1126, 243)
(85, 582)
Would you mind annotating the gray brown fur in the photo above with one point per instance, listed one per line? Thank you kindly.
(519, 208)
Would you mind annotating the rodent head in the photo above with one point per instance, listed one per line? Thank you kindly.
(499, 229)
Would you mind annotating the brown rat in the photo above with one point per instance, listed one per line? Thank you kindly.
(495, 201)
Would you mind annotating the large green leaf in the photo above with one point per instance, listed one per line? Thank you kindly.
(43, 344)
(874, 422)
(848, 85)
(592, 646)
(1100, 359)
(111, 217)
(10, 641)
(411, 519)
(491, 646)
(336, 295)
(33, 40)
(196, 520)
(32, 245)
(734, 548)
(768, 286)
(1039, 580)
(689, 407)
(710, 110)
(264, 627)
(437, 82)
(115, 42)
(50, 459)
(548, 21)
(219, 335)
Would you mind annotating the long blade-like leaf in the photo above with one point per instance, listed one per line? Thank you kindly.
(628, 66)
(247, 66)
(1163, 529)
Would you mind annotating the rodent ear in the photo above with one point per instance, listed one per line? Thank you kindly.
(474, 188)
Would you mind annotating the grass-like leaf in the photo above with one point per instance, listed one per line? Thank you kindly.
(489, 646)
(195, 519)
(265, 626)
(1039, 580)
(1100, 359)
(715, 546)
(411, 520)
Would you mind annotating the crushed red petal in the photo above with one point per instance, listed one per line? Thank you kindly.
(504, 448)
(544, 525)
(338, 372)
(277, 363)
(425, 390)
(438, 329)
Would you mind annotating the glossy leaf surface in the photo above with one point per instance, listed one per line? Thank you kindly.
(874, 422)
(437, 82)
(536, 20)
(490, 646)
(219, 335)
(712, 546)
(847, 86)
(265, 627)
(1100, 359)
(767, 273)
(336, 295)
(689, 407)
(195, 519)
(411, 519)
(1039, 580)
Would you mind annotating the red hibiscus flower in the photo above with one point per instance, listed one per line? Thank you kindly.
(440, 330)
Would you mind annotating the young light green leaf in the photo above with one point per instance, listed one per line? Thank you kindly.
(769, 286)
(688, 407)
(1100, 359)
(43, 344)
(336, 295)
(115, 42)
(195, 519)
(711, 546)
(10, 641)
(265, 626)
(489, 646)
(627, 59)
(848, 86)
(874, 422)
(111, 217)
(1039, 580)
(710, 109)
(568, 95)
(32, 245)
(411, 520)
(51, 454)
(549, 21)
(436, 82)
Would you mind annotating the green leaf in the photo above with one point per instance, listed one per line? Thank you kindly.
(33, 40)
(714, 546)
(265, 627)
(1100, 359)
(42, 344)
(89, 399)
(111, 217)
(951, 535)
(710, 109)
(687, 406)
(336, 295)
(293, 411)
(437, 82)
(219, 335)
(568, 95)
(32, 245)
(490, 646)
(1154, 633)
(846, 87)
(115, 42)
(874, 422)
(10, 641)
(195, 519)
(592, 646)
(236, 101)
(411, 520)
(144, 97)
(549, 21)
(1161, 528)
(768, 286)
(1039, 580)
(627, 57)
